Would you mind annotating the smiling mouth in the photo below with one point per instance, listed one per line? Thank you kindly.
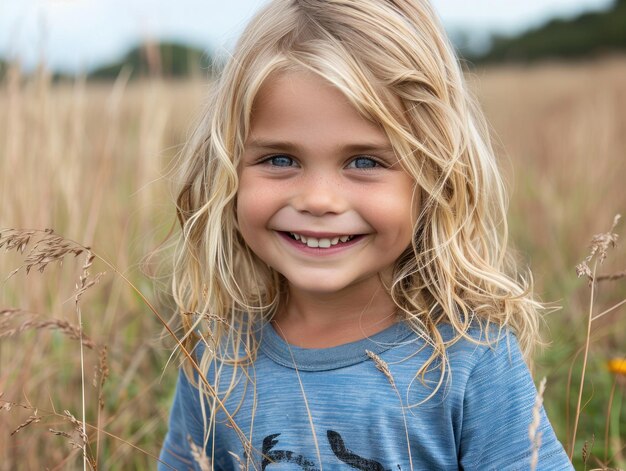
(322, 243)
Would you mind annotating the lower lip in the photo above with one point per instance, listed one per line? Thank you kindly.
(333, 249)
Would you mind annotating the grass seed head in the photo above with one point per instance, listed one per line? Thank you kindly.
(586, 451)
(34, 418)
(36, 322)
(59, 433)
(599, 247)
(199, 456)
(382, 366)
(533, 434)
(48, 247)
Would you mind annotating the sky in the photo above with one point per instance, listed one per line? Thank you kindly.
(77, 35)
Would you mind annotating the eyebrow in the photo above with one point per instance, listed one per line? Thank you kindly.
(375, 147)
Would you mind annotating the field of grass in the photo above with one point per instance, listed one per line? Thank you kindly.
(90, 161)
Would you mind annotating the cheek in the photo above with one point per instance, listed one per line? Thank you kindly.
(394, 214)
(248, 212)
(255, 205)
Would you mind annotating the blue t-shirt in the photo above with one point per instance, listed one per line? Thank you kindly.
(353, 418)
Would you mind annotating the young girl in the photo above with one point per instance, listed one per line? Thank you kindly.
(346, 298)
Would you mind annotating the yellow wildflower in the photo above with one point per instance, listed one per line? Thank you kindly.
(617, 366)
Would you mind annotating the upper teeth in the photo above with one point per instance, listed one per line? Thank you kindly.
(322, 243)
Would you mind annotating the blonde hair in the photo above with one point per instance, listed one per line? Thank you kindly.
(393, 61)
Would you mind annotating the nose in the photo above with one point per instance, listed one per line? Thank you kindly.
(319, 194)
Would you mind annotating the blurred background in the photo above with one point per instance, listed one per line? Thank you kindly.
(96, 99)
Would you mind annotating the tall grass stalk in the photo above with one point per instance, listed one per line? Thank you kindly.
(585, 358)
(600, 244)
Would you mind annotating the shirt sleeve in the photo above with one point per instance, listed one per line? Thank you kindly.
(185, 421)
(497, 412)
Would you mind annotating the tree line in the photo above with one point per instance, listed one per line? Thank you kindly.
(586, 35)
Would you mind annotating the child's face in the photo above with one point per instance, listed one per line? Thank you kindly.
(314, 169)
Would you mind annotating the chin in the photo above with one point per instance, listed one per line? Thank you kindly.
(322, 286)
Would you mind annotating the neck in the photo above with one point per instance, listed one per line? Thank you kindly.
(314, 320)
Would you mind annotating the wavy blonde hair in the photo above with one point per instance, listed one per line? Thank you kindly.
(394, 63)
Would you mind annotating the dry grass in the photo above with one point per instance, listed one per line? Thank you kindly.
(87, 159)
(533, 433)
(383, 367)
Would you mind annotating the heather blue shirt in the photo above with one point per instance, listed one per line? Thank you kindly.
(478, 419)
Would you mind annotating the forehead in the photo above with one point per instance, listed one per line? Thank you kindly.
(303, 106)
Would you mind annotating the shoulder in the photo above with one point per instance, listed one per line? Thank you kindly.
(498, 400)
(483, 351)
(473, 361)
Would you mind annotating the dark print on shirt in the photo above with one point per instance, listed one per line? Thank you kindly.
(337, 444)
(345, 455)
(282, 456)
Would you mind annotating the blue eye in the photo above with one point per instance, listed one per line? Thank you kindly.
(363, 163)
(280, 161)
